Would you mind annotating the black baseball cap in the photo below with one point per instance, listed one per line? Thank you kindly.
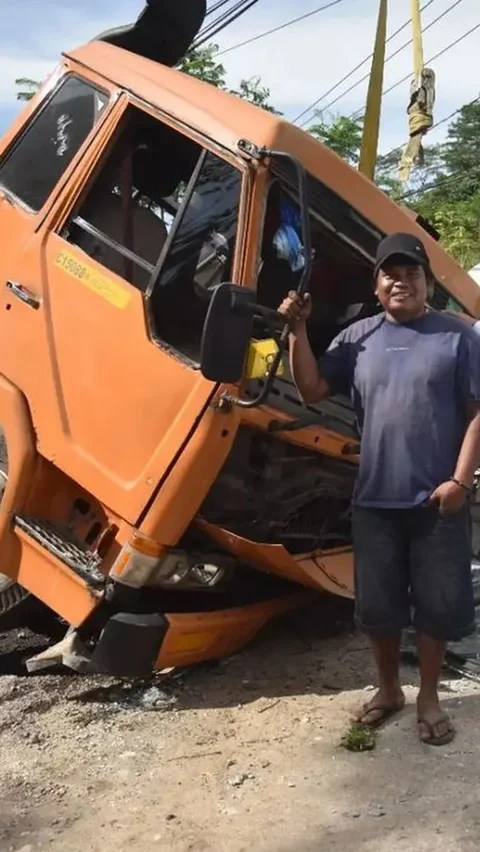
(401, 246)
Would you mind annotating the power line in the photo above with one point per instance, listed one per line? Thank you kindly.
(208, 28)
(223, 21)
(357, 68)
(282, 26)
(459, 176)
(215, 7)
(452, 44)
(392, 56)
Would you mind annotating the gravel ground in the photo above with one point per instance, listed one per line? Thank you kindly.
(242, 756)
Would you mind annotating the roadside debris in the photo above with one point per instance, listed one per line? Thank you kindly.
(239, 780)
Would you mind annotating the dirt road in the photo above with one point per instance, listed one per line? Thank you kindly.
(239, 757)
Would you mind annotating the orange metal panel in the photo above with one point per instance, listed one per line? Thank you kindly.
(330, 571)
(196, 637)
(315, 437)
(53, 582)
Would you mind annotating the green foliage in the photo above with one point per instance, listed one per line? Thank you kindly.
(458, 223)
(201, 64)
(461, 153)
(252, 90)
(342, 134)
(359, 737)
(450, 198)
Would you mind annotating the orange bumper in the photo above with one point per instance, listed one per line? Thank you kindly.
(197, 637)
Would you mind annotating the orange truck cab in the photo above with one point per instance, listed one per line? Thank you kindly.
(163, 489)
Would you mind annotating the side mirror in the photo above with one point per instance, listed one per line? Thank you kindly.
(226, 333)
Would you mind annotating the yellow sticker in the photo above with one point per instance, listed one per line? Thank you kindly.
(100, 284)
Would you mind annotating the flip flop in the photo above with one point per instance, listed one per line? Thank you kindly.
(386, 710)
(432, 739)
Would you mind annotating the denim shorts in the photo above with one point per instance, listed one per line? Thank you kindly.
(413, 566)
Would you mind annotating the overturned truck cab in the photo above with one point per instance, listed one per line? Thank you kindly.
(163, 490)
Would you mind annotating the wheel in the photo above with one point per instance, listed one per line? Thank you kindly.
(12, 595)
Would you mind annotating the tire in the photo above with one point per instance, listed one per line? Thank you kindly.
(12, 595)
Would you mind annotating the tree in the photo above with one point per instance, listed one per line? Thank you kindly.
(450, 198)
(200, 63)
(253, 91)
(458, 223)
(461, 153)
(342, 134)
(26, 88)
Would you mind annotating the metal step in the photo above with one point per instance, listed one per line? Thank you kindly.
(82, 561)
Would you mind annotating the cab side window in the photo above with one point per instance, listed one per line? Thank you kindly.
(161, 212)
(200, 256)
(38, 158)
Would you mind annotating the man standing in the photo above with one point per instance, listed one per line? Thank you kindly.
(414, 377)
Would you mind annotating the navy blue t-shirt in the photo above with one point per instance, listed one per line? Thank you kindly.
(410, 385)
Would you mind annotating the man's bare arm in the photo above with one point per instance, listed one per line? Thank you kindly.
(451, 496)
(306, 374)
(469, 456)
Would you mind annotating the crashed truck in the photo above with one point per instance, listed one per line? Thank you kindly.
(164, 492)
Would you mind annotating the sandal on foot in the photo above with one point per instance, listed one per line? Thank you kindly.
(444, 739)
(385, 710)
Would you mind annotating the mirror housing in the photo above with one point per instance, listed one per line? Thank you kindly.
(226, 333)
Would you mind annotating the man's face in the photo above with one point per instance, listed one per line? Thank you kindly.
(402, 289)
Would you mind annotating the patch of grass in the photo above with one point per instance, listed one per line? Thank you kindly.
(359, 737)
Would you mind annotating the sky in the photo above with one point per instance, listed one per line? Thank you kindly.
(298, 64)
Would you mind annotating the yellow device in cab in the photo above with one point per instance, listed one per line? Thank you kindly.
(260, 356)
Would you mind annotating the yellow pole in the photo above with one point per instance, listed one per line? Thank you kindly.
(371, 127)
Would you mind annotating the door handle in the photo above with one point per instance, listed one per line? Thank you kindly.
(24, 295)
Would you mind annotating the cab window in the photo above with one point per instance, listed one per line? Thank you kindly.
(36, 161)
(161, 212)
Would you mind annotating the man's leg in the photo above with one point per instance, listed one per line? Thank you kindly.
(431, 653)
(442, 593)
(386, 651)
(381, 602)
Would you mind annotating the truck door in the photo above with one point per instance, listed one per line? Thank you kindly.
(147, 224)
